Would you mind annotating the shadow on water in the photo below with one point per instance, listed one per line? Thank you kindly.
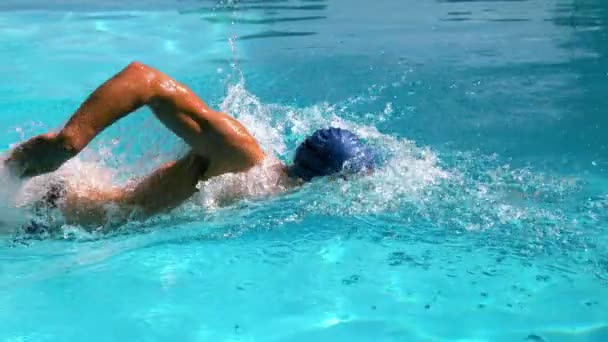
(187, 6)
(106, 17)
(271, 34)
(242, 8)
(273, 14)
(261, 20)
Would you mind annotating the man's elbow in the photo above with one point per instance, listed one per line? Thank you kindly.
(140, 71)
(136, 66)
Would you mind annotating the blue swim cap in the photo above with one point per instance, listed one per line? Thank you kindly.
(329, 151)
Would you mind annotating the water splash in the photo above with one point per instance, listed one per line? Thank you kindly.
(407, 171)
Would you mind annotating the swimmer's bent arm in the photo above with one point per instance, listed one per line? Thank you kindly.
(221, 140)
(164, 189)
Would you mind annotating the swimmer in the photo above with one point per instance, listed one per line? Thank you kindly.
(219, 144)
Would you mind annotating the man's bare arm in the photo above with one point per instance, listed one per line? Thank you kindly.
(114, 99)
(164, 189)
(221, 139)
(219, 144)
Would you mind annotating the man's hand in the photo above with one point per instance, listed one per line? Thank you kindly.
(41, 154)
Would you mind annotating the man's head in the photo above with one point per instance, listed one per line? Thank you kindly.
(329, 151)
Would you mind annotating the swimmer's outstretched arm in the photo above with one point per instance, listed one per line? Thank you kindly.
(221, 140)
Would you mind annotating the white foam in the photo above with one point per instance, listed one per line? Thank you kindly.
(263, 180)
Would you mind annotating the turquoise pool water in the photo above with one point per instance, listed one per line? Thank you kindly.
(488, 221)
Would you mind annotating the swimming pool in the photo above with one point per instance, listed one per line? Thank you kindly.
(488, 221)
